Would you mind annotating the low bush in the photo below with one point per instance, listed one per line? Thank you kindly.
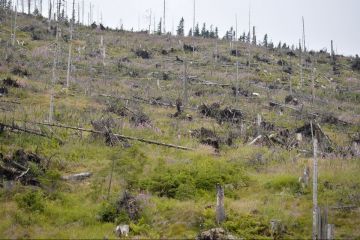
(31, 201)
(284, 182)
(184, 182)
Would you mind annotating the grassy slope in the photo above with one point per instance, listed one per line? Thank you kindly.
(71, 209)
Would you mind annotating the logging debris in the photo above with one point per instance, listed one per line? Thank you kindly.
(214, 234)
(221, 115)
(3, 91)
(103, 127)
(291, 100)
(22, 166)
(11, 83)
(117, 135)
(142, 53)
(130, 205)
(209, 137)
(315, 130)
(235, 53)
(20, 71)
(190, 48)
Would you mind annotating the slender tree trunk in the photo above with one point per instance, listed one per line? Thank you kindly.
(185, 101)
(220, 208)
(164, 17)
(72, 21)
(14, 31)
(29, 6)
(53, 80)
(315, 187)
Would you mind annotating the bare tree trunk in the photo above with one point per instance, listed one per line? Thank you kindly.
(185, 101)
(164, 17)
(220, 208)
(83, 12)
(29, 6)
(332, 52)
(313, 85)
(53, 80)
(304, 42)
(315, 186)
(50, 15)
(14, 31)
(72, 21)
(301, 65)
(22, 6)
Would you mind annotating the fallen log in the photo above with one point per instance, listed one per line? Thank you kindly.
(117, 135)
(29, 131)
(145, 101)
(77, 177)
(255, 140)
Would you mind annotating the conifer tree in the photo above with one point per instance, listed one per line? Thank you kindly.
(265, 42)
(197, 30)
(159, 29)
(180, 28)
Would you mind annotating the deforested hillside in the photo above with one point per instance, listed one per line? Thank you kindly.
(174, 137)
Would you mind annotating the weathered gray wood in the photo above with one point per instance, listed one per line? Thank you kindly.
(330, 232)
(77, 177)
(220, 208)
(315, 185)
(118, 135)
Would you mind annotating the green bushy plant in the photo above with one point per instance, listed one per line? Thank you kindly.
(284, 182)
(31, 201)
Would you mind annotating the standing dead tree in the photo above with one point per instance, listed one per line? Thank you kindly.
(220, 209)
(56, 51)
(72, 22)
(315, 187)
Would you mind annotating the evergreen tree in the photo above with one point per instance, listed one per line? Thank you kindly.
(243, 37)
(254, 37)
(216, 33)
(190, 32)
(180, 28)
(271, 45)
(159, 29)
(211, 33)
(203, 31)
(248, 39)
(197, 30)
(279, 45)
(265, 42)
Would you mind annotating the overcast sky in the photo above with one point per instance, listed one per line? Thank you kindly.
(281, 19)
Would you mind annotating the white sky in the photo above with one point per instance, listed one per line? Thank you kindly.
(281, 19)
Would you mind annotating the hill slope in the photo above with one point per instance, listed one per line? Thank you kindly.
(241, 132)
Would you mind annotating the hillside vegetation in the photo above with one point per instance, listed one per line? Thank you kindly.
(250, 134)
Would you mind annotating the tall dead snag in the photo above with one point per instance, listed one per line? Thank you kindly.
(185, 82)
(14, 28)
(56, 50)
(315, 187)
(332, 52)
(220, 209)
(72, 21)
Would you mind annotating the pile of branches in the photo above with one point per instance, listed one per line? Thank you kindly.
(208, 137)
(221, 115)
(22, 166)
(105, 127)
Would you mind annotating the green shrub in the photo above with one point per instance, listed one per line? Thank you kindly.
(247, 226)
(185, 182)
(108, 212)
(284, 182)
(31, 201)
